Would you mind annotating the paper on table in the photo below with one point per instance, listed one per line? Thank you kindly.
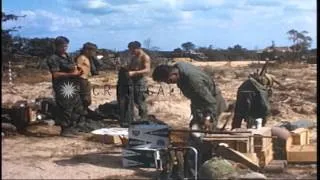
(111, 131)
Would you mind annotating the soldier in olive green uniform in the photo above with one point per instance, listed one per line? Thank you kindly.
(65, 83)
(207, 102)
(206, 99)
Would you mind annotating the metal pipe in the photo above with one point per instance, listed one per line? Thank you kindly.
(195, 159)
(208, 132)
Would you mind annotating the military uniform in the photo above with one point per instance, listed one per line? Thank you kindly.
(197, 86)
(69, 105)
(206, 100)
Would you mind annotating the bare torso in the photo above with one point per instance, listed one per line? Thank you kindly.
(136, 63)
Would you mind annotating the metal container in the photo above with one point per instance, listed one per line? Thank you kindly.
(140, 157)
(148, 135)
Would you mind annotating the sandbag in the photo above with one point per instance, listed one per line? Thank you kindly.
(216, 168)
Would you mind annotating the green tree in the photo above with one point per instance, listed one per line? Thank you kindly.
(301, 41)
(7, 44)
(40, 47)
(187, 46)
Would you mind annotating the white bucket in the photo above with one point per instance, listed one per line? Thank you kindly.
(259, 123)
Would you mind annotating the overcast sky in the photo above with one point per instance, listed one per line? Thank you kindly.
(112, 24)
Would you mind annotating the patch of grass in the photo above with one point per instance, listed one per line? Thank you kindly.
(211, 71)
(240, 74)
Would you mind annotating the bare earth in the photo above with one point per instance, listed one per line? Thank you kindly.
(76, 158)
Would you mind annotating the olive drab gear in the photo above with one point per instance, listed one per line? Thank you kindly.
(252, 103)
(125, 97)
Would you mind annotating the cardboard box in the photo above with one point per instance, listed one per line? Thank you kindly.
(149, 135)
(302, 154)
(300, 136)
(110, 135)
(139, 157)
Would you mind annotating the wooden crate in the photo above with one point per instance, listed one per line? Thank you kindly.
(239, 142)
(300, 136)
(240, 146)
(261, 143)
(289, 142)
(179, 138)
(265, 156)
(252, 156)
(302, 154)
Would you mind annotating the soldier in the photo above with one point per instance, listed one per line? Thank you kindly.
(252, 102)
(139, 67)
(207, 102)
(65, 76)
(83, 62)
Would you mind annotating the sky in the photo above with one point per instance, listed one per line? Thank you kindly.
(112, 24)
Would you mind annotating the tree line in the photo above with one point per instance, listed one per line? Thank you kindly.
(40, 48)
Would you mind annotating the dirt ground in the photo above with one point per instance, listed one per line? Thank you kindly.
(76, 158)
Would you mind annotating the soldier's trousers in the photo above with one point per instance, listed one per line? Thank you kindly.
(69, 107)
(68, 114)
(140, 96)
(85, 92)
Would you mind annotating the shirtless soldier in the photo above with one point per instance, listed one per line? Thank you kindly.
(83, 62)
(139, 67)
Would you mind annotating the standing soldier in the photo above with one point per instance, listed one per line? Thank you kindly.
(83, 62)
(65, 77)
(139, 67)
